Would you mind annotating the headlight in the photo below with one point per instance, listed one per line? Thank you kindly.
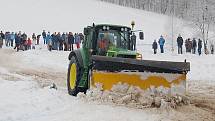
(139, 56)
(108, 28)
(104, 27)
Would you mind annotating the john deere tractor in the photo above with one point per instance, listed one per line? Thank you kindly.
(108, 56)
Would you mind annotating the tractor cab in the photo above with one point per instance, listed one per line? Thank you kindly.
(110, 40)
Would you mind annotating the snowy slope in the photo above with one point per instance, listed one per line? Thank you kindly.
(73, 15)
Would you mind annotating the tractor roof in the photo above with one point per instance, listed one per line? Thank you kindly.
(112, 26)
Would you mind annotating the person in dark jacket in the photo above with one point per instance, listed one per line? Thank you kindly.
(24, 41)
(44, 37)
(194, 45)
(60, 40)
(2, 35)
(180, 42)
(81, 37)
(17, 41)
(188, 45)
(63, 40)
(38, 39)
(70, 41)
(200, 46)
(54, 41)
(1, 42)
(66, 43)
(133, 42)
(2, 39)
(155, 46)
(212, 48)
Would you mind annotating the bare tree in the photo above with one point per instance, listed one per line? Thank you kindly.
(200, 12)
(202, 17)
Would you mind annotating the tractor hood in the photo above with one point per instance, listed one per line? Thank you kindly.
(118, 52)
(121, 52)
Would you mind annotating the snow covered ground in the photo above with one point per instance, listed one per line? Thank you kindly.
(24, 76)
(25, 95)
(25, 100)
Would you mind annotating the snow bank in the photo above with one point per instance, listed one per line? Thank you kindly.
(42, 58)
(130, 96)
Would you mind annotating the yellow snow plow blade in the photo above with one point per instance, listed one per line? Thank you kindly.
(145, 74)
(142, 80)
(108, 79)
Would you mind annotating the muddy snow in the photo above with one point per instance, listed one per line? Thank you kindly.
(131, 96)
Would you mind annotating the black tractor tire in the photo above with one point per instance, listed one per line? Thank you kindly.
(74, 90)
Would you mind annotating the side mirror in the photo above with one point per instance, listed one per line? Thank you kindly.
(86, 31)
(141, 36)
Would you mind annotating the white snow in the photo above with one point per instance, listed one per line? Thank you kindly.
(25, 100)
(33, 16)
(42, 58)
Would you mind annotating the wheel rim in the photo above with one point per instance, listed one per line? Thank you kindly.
(73, 73)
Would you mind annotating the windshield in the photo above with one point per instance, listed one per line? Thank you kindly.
(113, 39)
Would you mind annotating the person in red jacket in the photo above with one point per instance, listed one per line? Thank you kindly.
(29, 43)
(103, 44)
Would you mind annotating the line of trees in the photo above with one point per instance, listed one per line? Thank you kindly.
(200, 12)
(180, 8)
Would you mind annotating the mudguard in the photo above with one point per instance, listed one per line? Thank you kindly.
(78, 55)
(83, 61)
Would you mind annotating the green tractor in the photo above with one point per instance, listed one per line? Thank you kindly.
(108, 56)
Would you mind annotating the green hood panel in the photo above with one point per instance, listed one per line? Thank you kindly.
(118, 51)
(126, 53)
